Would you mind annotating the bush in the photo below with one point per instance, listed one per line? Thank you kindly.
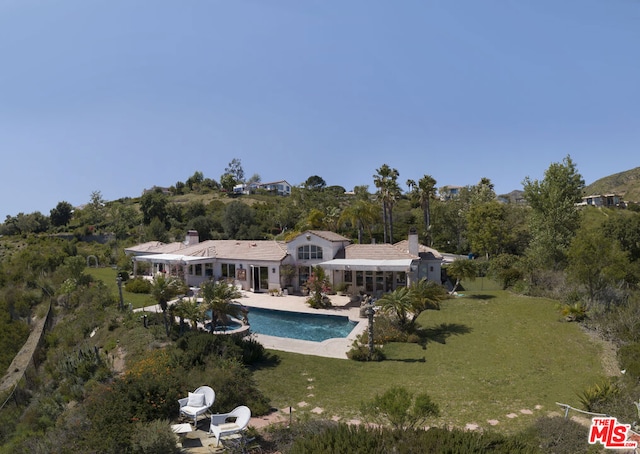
(561, 436)
(629, 359)
(348, 439)
(154, 437)
(360, 352)
(138, 285)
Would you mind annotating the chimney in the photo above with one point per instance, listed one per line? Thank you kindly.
(414, 247)
(192, 238)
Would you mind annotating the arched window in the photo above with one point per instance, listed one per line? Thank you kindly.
(309, 251)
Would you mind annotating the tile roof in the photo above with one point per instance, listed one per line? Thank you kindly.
(157, 247)
(250, 249)
(328, 235)
(404, 246)
(376, 252)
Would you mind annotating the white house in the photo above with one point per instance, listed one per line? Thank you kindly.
(256, 265)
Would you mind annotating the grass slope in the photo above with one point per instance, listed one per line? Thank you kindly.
(491, 354)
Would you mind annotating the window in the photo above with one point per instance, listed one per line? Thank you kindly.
(309, 251)
(228, 270)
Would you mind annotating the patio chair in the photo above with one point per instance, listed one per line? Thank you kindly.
(225, 424)
(198, 403)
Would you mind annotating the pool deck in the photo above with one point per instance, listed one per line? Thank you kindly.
(331, 348)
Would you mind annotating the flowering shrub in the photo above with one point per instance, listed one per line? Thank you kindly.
(318, 285)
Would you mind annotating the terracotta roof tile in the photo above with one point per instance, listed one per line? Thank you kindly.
(404, 246)
(329, 236)
(375, 252)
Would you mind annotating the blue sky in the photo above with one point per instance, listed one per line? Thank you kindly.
(117, 96)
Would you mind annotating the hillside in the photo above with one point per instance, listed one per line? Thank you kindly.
(625, 183)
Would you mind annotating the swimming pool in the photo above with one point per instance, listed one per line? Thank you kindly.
(296, 325)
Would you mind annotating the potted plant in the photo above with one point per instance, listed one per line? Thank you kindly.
(287, 273)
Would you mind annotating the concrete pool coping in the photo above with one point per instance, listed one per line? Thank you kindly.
(330, 348)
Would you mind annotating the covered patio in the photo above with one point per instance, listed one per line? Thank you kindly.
(372, 276)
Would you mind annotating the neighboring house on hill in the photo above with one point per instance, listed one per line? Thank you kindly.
(255, 265)
(603, 200)
(277, 187)
(164, 190)
(449, 192)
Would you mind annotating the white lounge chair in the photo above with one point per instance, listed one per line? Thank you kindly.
(198, 403)
(225, 424)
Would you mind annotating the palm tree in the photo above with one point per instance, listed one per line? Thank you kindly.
(218, 297)
(187, 309)
(162, 290)
(397, 303)
(361, 214)
(462, 269)
(425, 295)
(386, 180)
(423, 192)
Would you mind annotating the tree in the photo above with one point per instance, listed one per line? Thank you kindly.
(94, 211)
(315, 183)
(386, 180)
(398, 408)
(425, 295)
(156, 231)
(462, 269)
(487, 227)
(61, 214)
(361, 214)
(397, 303)
(235, 170)
(162, 290)
(217, 299)
(153, 204)
(228, 182)
(193, 182)
(407, 303)
(554, 218)
(238, 218)
(482, 192)
(596, 262)
(423, 192)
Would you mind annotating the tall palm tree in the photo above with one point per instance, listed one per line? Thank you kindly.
(218, 297)
(386, 180)
(423, 192)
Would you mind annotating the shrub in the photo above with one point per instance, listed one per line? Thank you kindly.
(319, 438)
(360, 352)
(629, 359)
(597, 394)
(561, 436)
(154, 437)
(398, 408)
(138, 285)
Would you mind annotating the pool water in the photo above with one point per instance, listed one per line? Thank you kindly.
(296, 325)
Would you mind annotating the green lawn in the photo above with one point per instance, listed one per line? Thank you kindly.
(491, 354)
(108, 276)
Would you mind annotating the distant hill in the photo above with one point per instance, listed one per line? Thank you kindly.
(626, 184)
